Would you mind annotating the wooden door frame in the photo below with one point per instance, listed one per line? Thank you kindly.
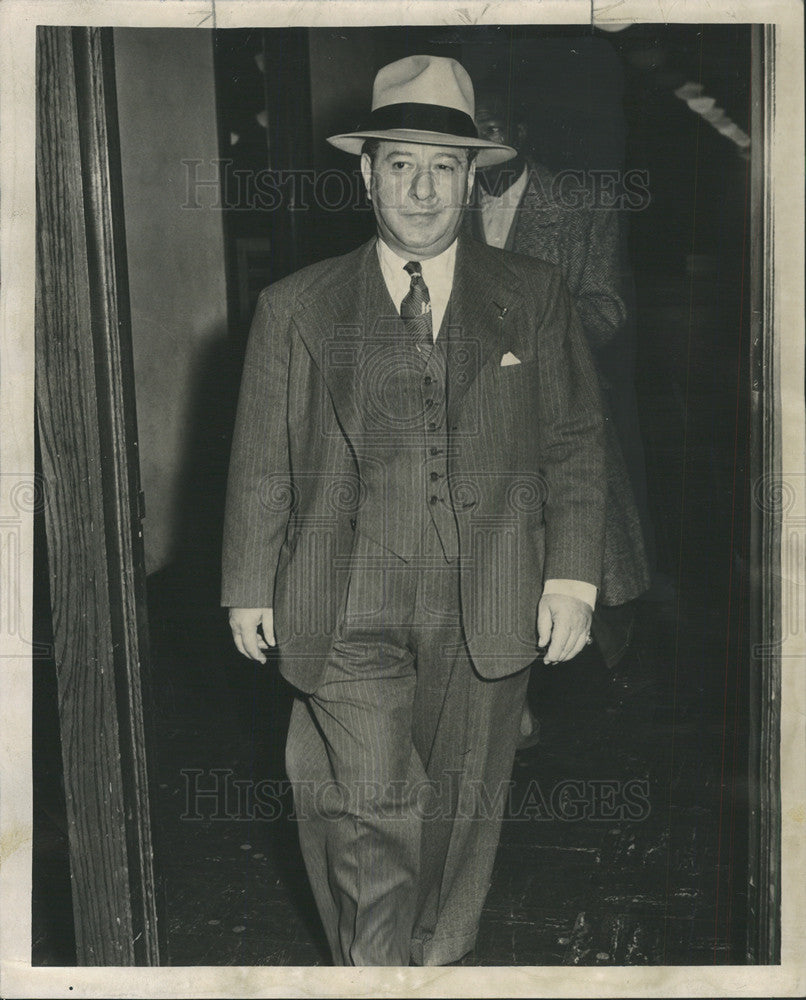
(88, 430)
(768, 510)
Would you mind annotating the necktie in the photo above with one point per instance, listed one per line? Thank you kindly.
(415, 309)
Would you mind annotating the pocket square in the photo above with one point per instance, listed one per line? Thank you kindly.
(510, 359)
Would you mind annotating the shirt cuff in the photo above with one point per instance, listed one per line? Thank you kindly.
(573, 588)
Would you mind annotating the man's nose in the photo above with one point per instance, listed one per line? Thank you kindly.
(423, 187)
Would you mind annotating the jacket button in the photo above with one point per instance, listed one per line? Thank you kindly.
(432, 426)
(352, 523)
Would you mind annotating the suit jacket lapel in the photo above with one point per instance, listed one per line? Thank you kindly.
(339, 313)
(336, 314)
(484, 293)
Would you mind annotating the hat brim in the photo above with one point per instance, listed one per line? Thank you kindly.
(489, 153)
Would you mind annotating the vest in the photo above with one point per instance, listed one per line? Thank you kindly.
(403, 448)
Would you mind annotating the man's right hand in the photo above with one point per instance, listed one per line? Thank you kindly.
(244, 623)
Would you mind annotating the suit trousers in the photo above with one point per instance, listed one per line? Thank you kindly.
(400, 763)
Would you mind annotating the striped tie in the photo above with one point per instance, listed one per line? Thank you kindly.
(415, 309)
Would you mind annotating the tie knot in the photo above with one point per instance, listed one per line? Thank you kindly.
(414, 268)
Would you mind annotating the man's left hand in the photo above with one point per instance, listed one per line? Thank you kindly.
(563, 624)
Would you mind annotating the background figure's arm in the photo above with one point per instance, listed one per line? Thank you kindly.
(259, 474)
(596, 285)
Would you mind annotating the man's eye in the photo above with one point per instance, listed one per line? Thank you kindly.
(399, 165)
(446, 166)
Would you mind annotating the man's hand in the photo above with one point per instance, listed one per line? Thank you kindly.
(566, 622)
(244, 623)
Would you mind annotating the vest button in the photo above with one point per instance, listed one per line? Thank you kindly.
(429, 402)
(434, 499)
(428, 380)
(432, 426)
(434, 476)
(434, 451)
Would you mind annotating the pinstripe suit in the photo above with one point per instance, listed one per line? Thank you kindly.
(412, 661)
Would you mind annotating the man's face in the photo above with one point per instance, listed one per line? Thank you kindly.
(418, 194)
(491, 123)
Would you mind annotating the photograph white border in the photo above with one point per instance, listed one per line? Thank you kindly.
(18, 20)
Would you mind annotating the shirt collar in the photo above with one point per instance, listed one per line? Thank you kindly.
(437, 271)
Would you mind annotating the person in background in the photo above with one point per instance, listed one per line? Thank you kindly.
(521, 206)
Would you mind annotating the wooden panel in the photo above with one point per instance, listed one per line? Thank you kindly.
(764, 773)
(86, 421)
(103, 200)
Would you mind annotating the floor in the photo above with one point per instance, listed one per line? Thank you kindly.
(615, 849)
(626, 829)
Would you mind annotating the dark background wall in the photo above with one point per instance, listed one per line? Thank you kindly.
(166, 105)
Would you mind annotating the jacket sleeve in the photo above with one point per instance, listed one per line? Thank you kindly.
(571, 429)
(597, 294)
(259, 487)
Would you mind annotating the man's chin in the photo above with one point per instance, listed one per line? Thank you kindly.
(423, 234)
(425, 239)
(418, 240)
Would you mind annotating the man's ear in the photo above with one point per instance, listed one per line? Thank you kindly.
(366, 173)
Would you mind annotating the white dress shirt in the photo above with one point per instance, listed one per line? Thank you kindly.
(438, 276)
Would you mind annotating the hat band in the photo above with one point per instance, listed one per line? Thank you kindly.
(422, 118)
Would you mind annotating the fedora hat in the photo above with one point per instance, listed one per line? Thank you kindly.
(424, 99)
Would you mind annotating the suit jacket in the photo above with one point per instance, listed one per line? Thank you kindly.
(562, 225)
(526, 468)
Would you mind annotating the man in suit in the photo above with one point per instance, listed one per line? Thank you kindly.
(415, 506)
(523, 207)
